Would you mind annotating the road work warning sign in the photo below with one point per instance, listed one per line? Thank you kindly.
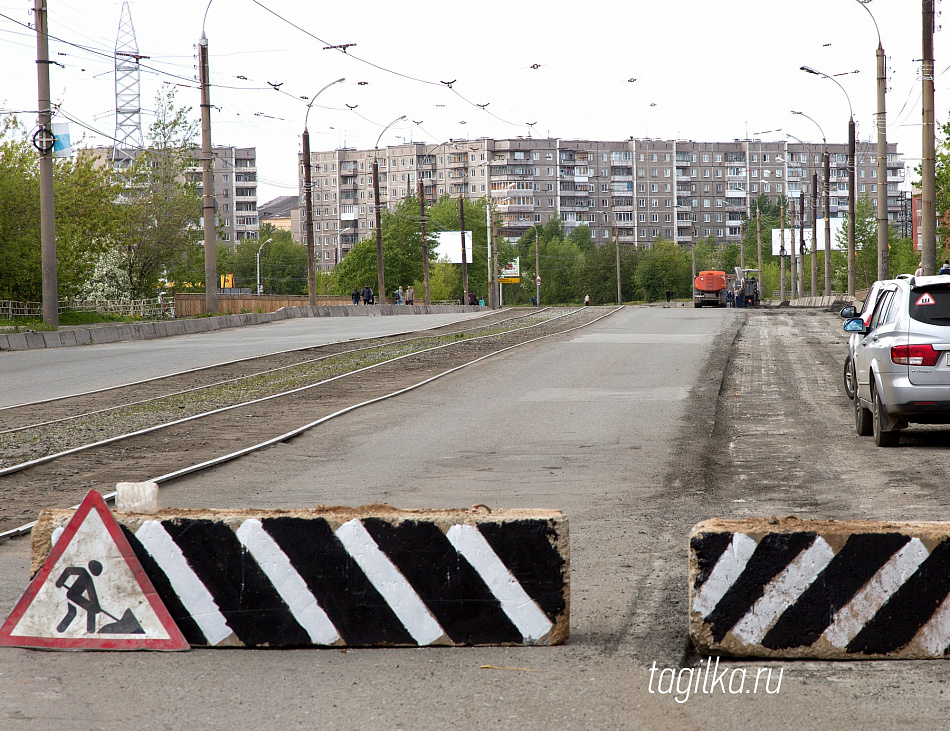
(91, 594)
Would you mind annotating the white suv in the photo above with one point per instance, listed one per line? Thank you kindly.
(902, 358)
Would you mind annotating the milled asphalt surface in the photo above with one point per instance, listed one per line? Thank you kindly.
(31, 375)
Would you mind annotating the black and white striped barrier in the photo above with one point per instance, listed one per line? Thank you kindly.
(352, 577)
(820, 589)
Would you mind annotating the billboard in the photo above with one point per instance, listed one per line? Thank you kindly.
(449, 246)
(793, 234)
(510, 273)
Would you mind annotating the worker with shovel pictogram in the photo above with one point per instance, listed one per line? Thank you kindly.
(82, 593)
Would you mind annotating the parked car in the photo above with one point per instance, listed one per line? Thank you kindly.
(902, 358)
(867, 308)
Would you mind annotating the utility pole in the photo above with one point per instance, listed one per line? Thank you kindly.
(827, 162)
(207, 183)
(491, 241)
(758, 243)
(308, 219)
(742, 246)
(380, 279)
(814, 233)
(537, 268)
(801, 244)
(425, 242)
(619, 293)
(464, 264)
(781, 254)
(883, 254)
(851, 206)
(928, 190)
(794, 262)
(44, 141)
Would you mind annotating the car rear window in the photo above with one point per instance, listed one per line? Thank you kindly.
(930, 305)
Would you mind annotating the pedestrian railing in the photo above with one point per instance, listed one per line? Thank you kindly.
(154, 308)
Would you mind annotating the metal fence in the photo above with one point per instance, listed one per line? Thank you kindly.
(154, 309)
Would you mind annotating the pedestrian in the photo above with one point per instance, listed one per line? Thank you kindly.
(355, 295)
(586, 300)
(920, 270)
(372, 296)
(669, 294)
(472, 298)
(945, 269)
(534, 301)
(410, 295)
(367, 294)
(398, 295)
(732, 298)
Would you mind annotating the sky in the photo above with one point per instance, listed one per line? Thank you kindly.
(604, 69)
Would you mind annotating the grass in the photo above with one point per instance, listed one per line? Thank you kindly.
(66, 318)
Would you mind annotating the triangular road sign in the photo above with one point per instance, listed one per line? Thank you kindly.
(91, 594)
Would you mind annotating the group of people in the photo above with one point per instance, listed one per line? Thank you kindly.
(945, 269)
(736, 298)
(368, 297)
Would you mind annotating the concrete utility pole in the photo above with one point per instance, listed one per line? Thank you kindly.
(489, 235)
(308, 200)
(758, 244)
(814, 232)
(380, 277)
(425, 242)
(852, 202)
(928, 188)
(781, 254)
(793, 272)
(537, 268)
(207, 182)
(464, 264)
(827, 162)
(801, 244)
(44, 141)
(619, 293)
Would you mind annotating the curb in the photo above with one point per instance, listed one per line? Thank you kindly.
(360, 577)
(172, 328)
(791, 588)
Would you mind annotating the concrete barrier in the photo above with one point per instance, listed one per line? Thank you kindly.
(148, 330)
(371, 576)
(790, 588)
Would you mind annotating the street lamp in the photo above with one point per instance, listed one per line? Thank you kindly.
(851, 199)
(827, 168)
(308, 200)
(260, 287)
(883, 255)
(381, 280)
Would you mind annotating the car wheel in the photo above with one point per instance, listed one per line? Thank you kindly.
(862, 419)
(849, 376)
(883, 438)
(697, 304)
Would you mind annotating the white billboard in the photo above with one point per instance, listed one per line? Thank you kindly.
(792, 234)
(450, 246)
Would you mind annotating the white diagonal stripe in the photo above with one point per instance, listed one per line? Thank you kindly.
(783, 591)
(525, 614)
(852, 617)
(292, 589)
(389, 582)
(934, 637)
(193, 594)
(724, 573)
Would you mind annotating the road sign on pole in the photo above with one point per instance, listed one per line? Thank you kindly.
(91, 593)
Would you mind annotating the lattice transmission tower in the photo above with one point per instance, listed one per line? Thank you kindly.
(128, 106)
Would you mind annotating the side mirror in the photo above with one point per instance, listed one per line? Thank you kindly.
(855, 325)
(848, 311)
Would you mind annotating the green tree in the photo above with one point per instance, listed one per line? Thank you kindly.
(159, 215)
(665, 266)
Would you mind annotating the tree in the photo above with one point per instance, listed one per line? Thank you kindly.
(865, 244)
(159, 215)
(85, 217)
(283, 263)
(665, 266)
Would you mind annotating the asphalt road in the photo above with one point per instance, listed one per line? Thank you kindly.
(636, 428)
(31, 375)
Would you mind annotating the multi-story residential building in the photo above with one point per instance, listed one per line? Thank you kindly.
(235, 188)
(635, 191)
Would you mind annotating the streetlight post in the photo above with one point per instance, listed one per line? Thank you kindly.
(851, 199)
(308, 200)
(380, 276)
(883, 254)
(260, 288)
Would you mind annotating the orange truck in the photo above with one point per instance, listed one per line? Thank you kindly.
(709, 289)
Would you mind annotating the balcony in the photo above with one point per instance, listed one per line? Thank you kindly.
(735, 194)
(349, 216)
(501, 208)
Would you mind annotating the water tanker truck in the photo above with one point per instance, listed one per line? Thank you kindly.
(709, 288)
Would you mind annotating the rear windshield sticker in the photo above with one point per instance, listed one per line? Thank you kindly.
(925, 299)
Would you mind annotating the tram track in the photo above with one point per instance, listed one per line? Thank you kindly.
(200, 440)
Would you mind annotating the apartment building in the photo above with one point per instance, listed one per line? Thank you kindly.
(635, 191)
(234, 172)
